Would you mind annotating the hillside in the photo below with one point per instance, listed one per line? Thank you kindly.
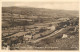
(27, 28)
(40, 12)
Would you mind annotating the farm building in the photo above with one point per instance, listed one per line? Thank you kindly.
(27, 37)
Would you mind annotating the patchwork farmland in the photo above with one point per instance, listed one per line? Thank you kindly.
(36, 28)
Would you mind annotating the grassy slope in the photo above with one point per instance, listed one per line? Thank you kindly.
(61, 43)
(40, 12)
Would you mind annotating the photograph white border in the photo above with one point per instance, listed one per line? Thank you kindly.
(33, 1)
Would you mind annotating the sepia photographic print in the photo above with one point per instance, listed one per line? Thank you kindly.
(40, 25)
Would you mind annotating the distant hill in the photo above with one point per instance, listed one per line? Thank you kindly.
(40, 12)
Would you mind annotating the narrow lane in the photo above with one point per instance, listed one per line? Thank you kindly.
(52, 34)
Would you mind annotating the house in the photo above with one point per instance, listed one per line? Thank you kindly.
(51, 27)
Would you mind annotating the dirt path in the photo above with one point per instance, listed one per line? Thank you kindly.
(54, 33)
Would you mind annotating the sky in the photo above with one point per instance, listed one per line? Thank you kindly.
(49, 5)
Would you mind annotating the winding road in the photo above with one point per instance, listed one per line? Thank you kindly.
(54, 33)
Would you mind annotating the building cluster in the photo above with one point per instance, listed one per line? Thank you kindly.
(21, 34)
